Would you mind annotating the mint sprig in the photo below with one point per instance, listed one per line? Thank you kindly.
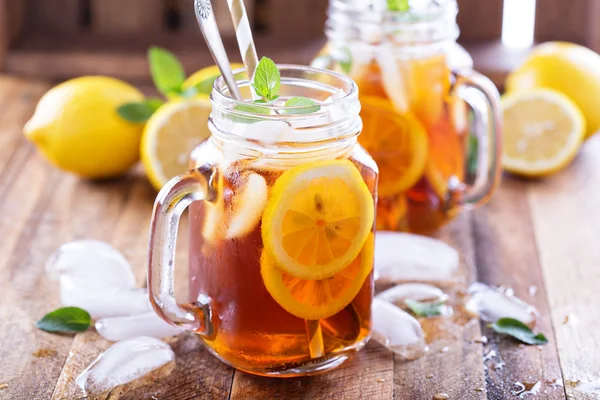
(398, 5)
(139, 112)
(421, 309)
(267, 80)
(267, 83)
(66, 319)
(518, 330)
(166, 70)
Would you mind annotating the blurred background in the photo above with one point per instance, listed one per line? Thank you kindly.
(60, 39)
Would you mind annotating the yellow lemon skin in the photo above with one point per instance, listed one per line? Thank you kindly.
(569, 68)
(76, 127)
(207, 75)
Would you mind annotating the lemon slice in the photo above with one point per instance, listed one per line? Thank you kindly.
(316, 299)
(317, 218)
(543, 131)
(397, 142)
(170, 136)
(247, 206)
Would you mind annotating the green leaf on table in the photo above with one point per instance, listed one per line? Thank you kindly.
(425, 309)
(139, 112)
(307, 105)
(398, 5)
(519, 331)
(66, 319)
(166, 70)
(267, 79)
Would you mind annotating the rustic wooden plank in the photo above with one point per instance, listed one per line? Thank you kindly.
(557, 20)
(17, 99)
(480, 20)
(55, 15)
(564, 212)
(131, 16)
(16, 13)
(25, 225)
(453, 365)
(368, 375)
(296, 19)
(188, 23)
(4, 32)
(506, 255)
(59, 58)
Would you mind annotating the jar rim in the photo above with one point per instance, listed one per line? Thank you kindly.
(220, 93)
(337, 116)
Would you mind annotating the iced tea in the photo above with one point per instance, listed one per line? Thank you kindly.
(416, 119)
(281, 249)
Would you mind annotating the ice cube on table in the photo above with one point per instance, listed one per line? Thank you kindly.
(491, 304)
(415, 291)
(91, 260)
(124, 328)
(124, 362)
(403, 257)
(102, 300)
(397, 330)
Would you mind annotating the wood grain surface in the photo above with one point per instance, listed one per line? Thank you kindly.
(537, 237)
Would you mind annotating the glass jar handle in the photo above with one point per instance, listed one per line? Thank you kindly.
(483, 98)
(171, 202)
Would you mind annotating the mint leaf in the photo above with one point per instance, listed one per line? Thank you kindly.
(398, 5)
(249, 108)
(139, 112)
(66, 319)
(425, 309)
(309, 106)
(166, 70)
(519, 331)
(267, 79)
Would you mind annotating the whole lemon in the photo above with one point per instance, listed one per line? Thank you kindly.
(76, 127)
(569, 68)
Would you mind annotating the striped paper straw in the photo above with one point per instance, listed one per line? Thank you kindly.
(244, 37)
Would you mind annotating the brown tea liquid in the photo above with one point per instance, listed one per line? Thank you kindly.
(253, 332)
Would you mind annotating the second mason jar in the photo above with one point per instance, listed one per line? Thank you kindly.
(431, 123)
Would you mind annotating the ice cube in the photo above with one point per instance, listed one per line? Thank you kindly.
(247, 206)
(124, 328)
(392, 77)
(269, 131)
(397, 330)
(491, 304)
(91, 260)
(414, 291)
(407, 257)
(100, 300)
(124, 362)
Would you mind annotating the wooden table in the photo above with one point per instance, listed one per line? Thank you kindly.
(540, 238)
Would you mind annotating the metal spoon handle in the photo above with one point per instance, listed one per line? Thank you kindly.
(210, 31)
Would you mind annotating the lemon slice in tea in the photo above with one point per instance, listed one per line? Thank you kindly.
(317, 218)
(316, 299)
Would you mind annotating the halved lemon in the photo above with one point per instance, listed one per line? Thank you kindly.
(170, 136)
(317, 219)
(543, 130)
(205, 78)
(316, 299)
(397, 142)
